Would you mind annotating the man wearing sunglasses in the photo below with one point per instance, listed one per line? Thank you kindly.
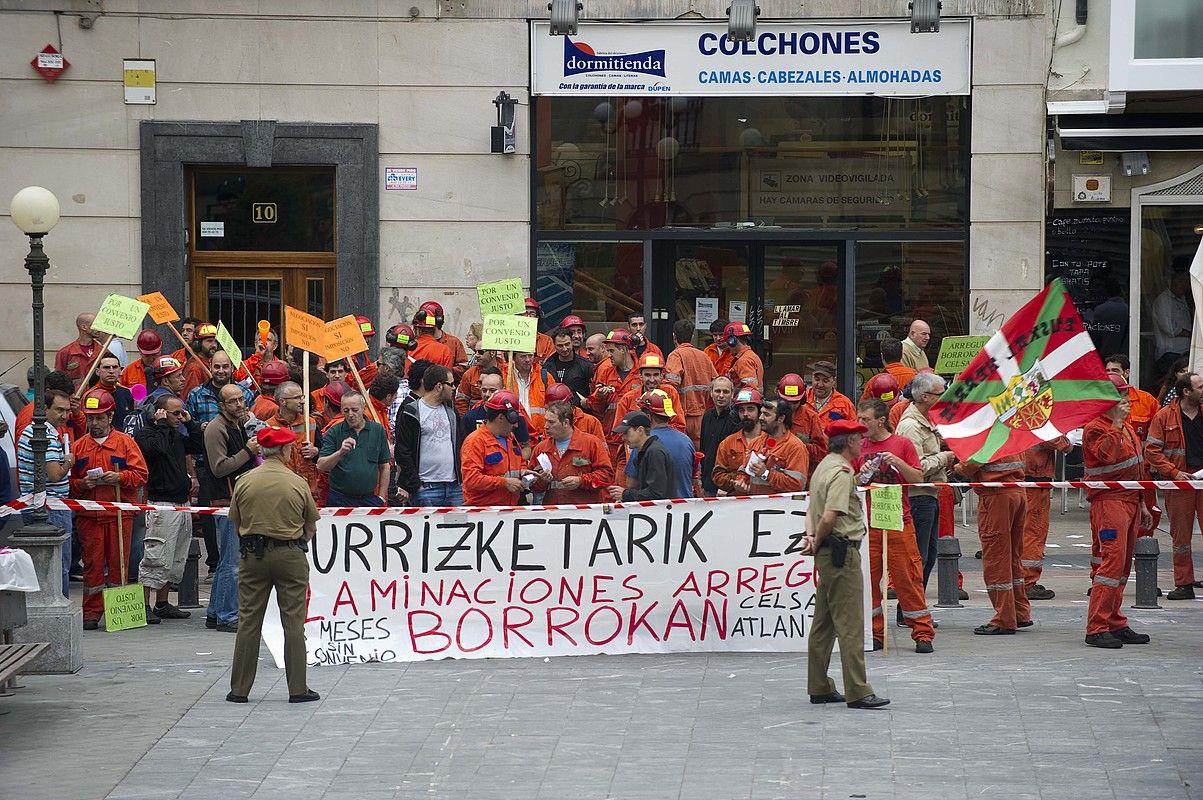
(429, 435)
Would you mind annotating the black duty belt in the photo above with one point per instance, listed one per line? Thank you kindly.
(256, 544)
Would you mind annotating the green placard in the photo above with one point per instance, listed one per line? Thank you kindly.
(121, 316)
(229, 345)
(124, 607)
(957, 351)
(507, 332)
(501, 297)
(885, 508)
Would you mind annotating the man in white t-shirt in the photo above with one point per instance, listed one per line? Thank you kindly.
(429, 434)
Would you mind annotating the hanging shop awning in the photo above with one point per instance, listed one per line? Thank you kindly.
(1130, 132)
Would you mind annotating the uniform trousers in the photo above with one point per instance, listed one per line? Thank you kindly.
(1183, 507)
(285, 569)
(906, 570)
(98, 538)
(839, 614)
(1035, 533)
(1000, 516)
(1114, 524)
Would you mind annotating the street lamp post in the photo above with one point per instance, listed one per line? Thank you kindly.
(35, 211)
(51, 616)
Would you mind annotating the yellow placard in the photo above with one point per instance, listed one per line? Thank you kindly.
(161, 310)
(507, 332)
(121, 316)
(957, 351)
(885, 508)
(501, 297)
(227, 343)
(343, 338)
(304, 331)
(124, 607)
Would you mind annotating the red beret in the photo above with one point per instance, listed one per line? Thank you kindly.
(844, 427)
(275, 437)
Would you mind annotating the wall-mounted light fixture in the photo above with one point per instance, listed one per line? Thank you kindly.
(1136, 163)
(503, 139)
(741, 20)
(564, 15)
(925, 16)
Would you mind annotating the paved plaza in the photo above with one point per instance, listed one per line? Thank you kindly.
(1036, 715)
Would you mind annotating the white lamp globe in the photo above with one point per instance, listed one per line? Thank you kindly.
(34, 210)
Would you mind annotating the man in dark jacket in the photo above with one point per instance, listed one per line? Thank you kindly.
(567, 366)
(429, 435)
(655, 472)
(717, 424)
(168, 533)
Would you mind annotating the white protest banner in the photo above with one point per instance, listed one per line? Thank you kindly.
(671, 576)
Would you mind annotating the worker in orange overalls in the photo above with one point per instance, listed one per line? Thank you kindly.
(747, 370)
(780, 463)
(271, 375)
(824, 398)
(579, 472)
(197, 369)
(1111, 452)
(545, 346)
(691, 371)
(467, 394)
(1144, 408)
(1174, 450)
(717, 350)
(612, 379)
(806, 424)
(150, 346)
(651, 376)
(104, 459)
(459, 354)
(581, 421)
(491, 459)
(732, 453)
(429, 348)
(1038, 466)
(1000, 516)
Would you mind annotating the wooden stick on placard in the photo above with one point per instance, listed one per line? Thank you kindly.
(83, 385)
(367, 401)
(120, 532)
(885, 571)
(305, 389)
(188, 349)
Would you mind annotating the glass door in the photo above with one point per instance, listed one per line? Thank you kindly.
(800, 301)
(704, 282)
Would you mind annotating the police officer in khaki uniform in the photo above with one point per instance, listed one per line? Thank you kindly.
(835, 528)
(275, 516)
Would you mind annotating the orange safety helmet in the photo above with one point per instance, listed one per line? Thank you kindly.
(651, 361)
(657, 402)
(149, 343)
(748, 397)
(791, 388)
(365, 326)
(435, 310)
(885, 388)
(97, 401)
(402, 336)
(205, 331)
(620, 337)
(274, 373)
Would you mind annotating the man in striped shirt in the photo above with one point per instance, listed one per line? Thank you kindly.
(58, 464)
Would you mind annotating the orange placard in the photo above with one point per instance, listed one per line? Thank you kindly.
(160, 308)
(304, 331)
(343, 338)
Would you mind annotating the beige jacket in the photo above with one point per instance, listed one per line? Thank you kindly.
(914, 425)
(913, 355)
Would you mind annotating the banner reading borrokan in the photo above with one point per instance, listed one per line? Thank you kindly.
(693, 576)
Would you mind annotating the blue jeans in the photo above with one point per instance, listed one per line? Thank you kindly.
(223, 597)
(925, 511)
(337, 499)
(137, 546)
(433, 495)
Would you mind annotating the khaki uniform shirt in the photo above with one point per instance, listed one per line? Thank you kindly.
(833, 488)
(271, 500)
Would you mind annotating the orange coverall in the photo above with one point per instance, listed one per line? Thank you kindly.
(1000, 516)
(690, 370)
(747, 370)
(467, 394)
(432, 350)
(1111, 453)
(720, 358)
(459, 354)
(808, 427)
(838, 406)
(1038, 466)
(135, 373)
(787, 463)
(604, 406)
(484, 464)
(1165, 451)
(264, 407)
(298, 463)
(98, 529)
(586, 458)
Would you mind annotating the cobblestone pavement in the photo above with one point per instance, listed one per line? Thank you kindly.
(1036, 715)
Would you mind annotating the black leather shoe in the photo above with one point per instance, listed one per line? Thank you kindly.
(151, 617)
(1129, 636)
(830, 697)
(1186, 592)
(235, 698)
(227, 627)
(877, 644)
(308, 697)
(168, 611)
(924, 646)
(992, 630)
(1027, 623)
(91, 624)
(1038, 592)
(870, 701)
(211, 623)
(1104, 640)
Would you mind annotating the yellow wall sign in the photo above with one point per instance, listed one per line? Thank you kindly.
(263, 212)
(138, 75)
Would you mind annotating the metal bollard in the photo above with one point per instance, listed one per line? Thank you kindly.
(1147, 551)
(948, 565)
(188, 595)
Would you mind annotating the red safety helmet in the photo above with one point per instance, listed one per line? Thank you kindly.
(572, 321)
(334, 391)
(365, 326)
(424, 319)
(748, 397)
(885, 388)
(97, 401)
(149, 343)
(620, 337)
(533, 305)
(167, 366)
(558, 393)
(507, 401)
(736, 330)
(651, 361)
(273, 372)
(402, 336)
(434, 309)
(1119, 382)
(657, 402)
(791, 387)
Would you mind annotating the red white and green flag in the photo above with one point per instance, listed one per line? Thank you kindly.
(1036, 379)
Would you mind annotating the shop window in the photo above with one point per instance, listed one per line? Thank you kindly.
(797, 162)
(277, 209)
(1168, 242)
(897, 282)
(601, 282)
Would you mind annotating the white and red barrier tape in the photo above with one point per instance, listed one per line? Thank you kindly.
(27, 502)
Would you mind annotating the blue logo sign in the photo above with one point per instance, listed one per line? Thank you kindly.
(579, 58)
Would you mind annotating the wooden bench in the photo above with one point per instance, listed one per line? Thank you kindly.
(12, 658)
